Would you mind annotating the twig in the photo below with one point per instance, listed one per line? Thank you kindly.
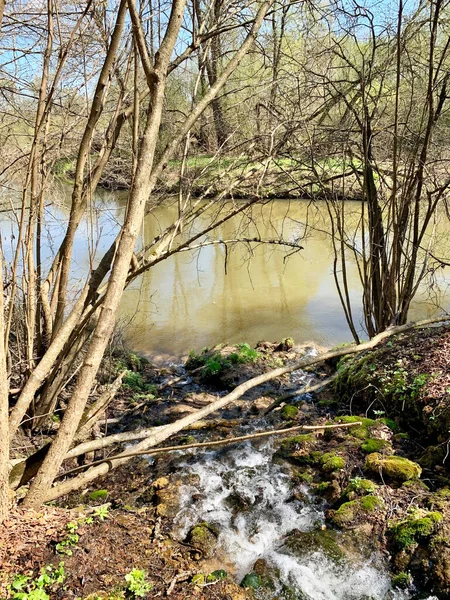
(234, 440)
(305, 389)
(184, 576)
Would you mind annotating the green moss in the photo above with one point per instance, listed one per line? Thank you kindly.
(289, 412)
(401, 580)
(98, 495)
(350, 512)
(187, 439)
(399, 437)
(408, 532)
(332, 462)
(360, 486)
(322, 487)
(370, 503)
(306, 477)
(373, 445)
(390, 423)
(315, 457)
(393, 467)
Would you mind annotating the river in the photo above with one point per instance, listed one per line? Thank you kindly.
(203, 298)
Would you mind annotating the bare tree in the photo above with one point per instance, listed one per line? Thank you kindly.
(61, 334)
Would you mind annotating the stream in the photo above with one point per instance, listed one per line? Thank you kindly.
(269, 516)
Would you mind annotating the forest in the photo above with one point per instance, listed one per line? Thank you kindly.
(225, 174)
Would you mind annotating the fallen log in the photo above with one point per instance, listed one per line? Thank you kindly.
(95, 471)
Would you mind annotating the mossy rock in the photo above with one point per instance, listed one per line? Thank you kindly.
(416, 485)
(305, 477)
(401, 581)
(374, 445)
(204, 538)
(433, 455)
(392, 467)
(351, 513)
(361, 432)
(355, 419)
(410, 531)
(332, 462)
(289, 412)
(302, 543)
(322, 487)
(298, 448)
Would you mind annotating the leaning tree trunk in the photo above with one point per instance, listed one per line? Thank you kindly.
(125, 249)
(4, 429)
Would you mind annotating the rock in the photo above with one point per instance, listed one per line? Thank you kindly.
(204, 538)
(433, 455)
(261, 404)
(302, 543)
(392, 467)
(167, 497)
(356, 511)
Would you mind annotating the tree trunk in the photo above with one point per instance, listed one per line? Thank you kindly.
(4, 429)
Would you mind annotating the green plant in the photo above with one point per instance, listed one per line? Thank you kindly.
(137, 586)
(24, 587)
(360, 486)
(101, 512)
(134, 381)
(244, 354)
(65, 546)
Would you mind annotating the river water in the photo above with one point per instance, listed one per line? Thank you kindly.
(209, 296)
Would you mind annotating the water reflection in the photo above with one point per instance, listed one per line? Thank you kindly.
(200, 299)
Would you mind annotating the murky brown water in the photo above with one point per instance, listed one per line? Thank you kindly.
(189, 301)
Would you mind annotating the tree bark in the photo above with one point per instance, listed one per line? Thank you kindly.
(4, 429)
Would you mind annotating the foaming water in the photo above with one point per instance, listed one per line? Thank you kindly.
(250, 499)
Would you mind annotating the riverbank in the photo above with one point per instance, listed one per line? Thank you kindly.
(241, 177)
(381, 486)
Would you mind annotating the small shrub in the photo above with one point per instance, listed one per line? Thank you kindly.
(137, 586)
(65, 546)
(24, 587)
